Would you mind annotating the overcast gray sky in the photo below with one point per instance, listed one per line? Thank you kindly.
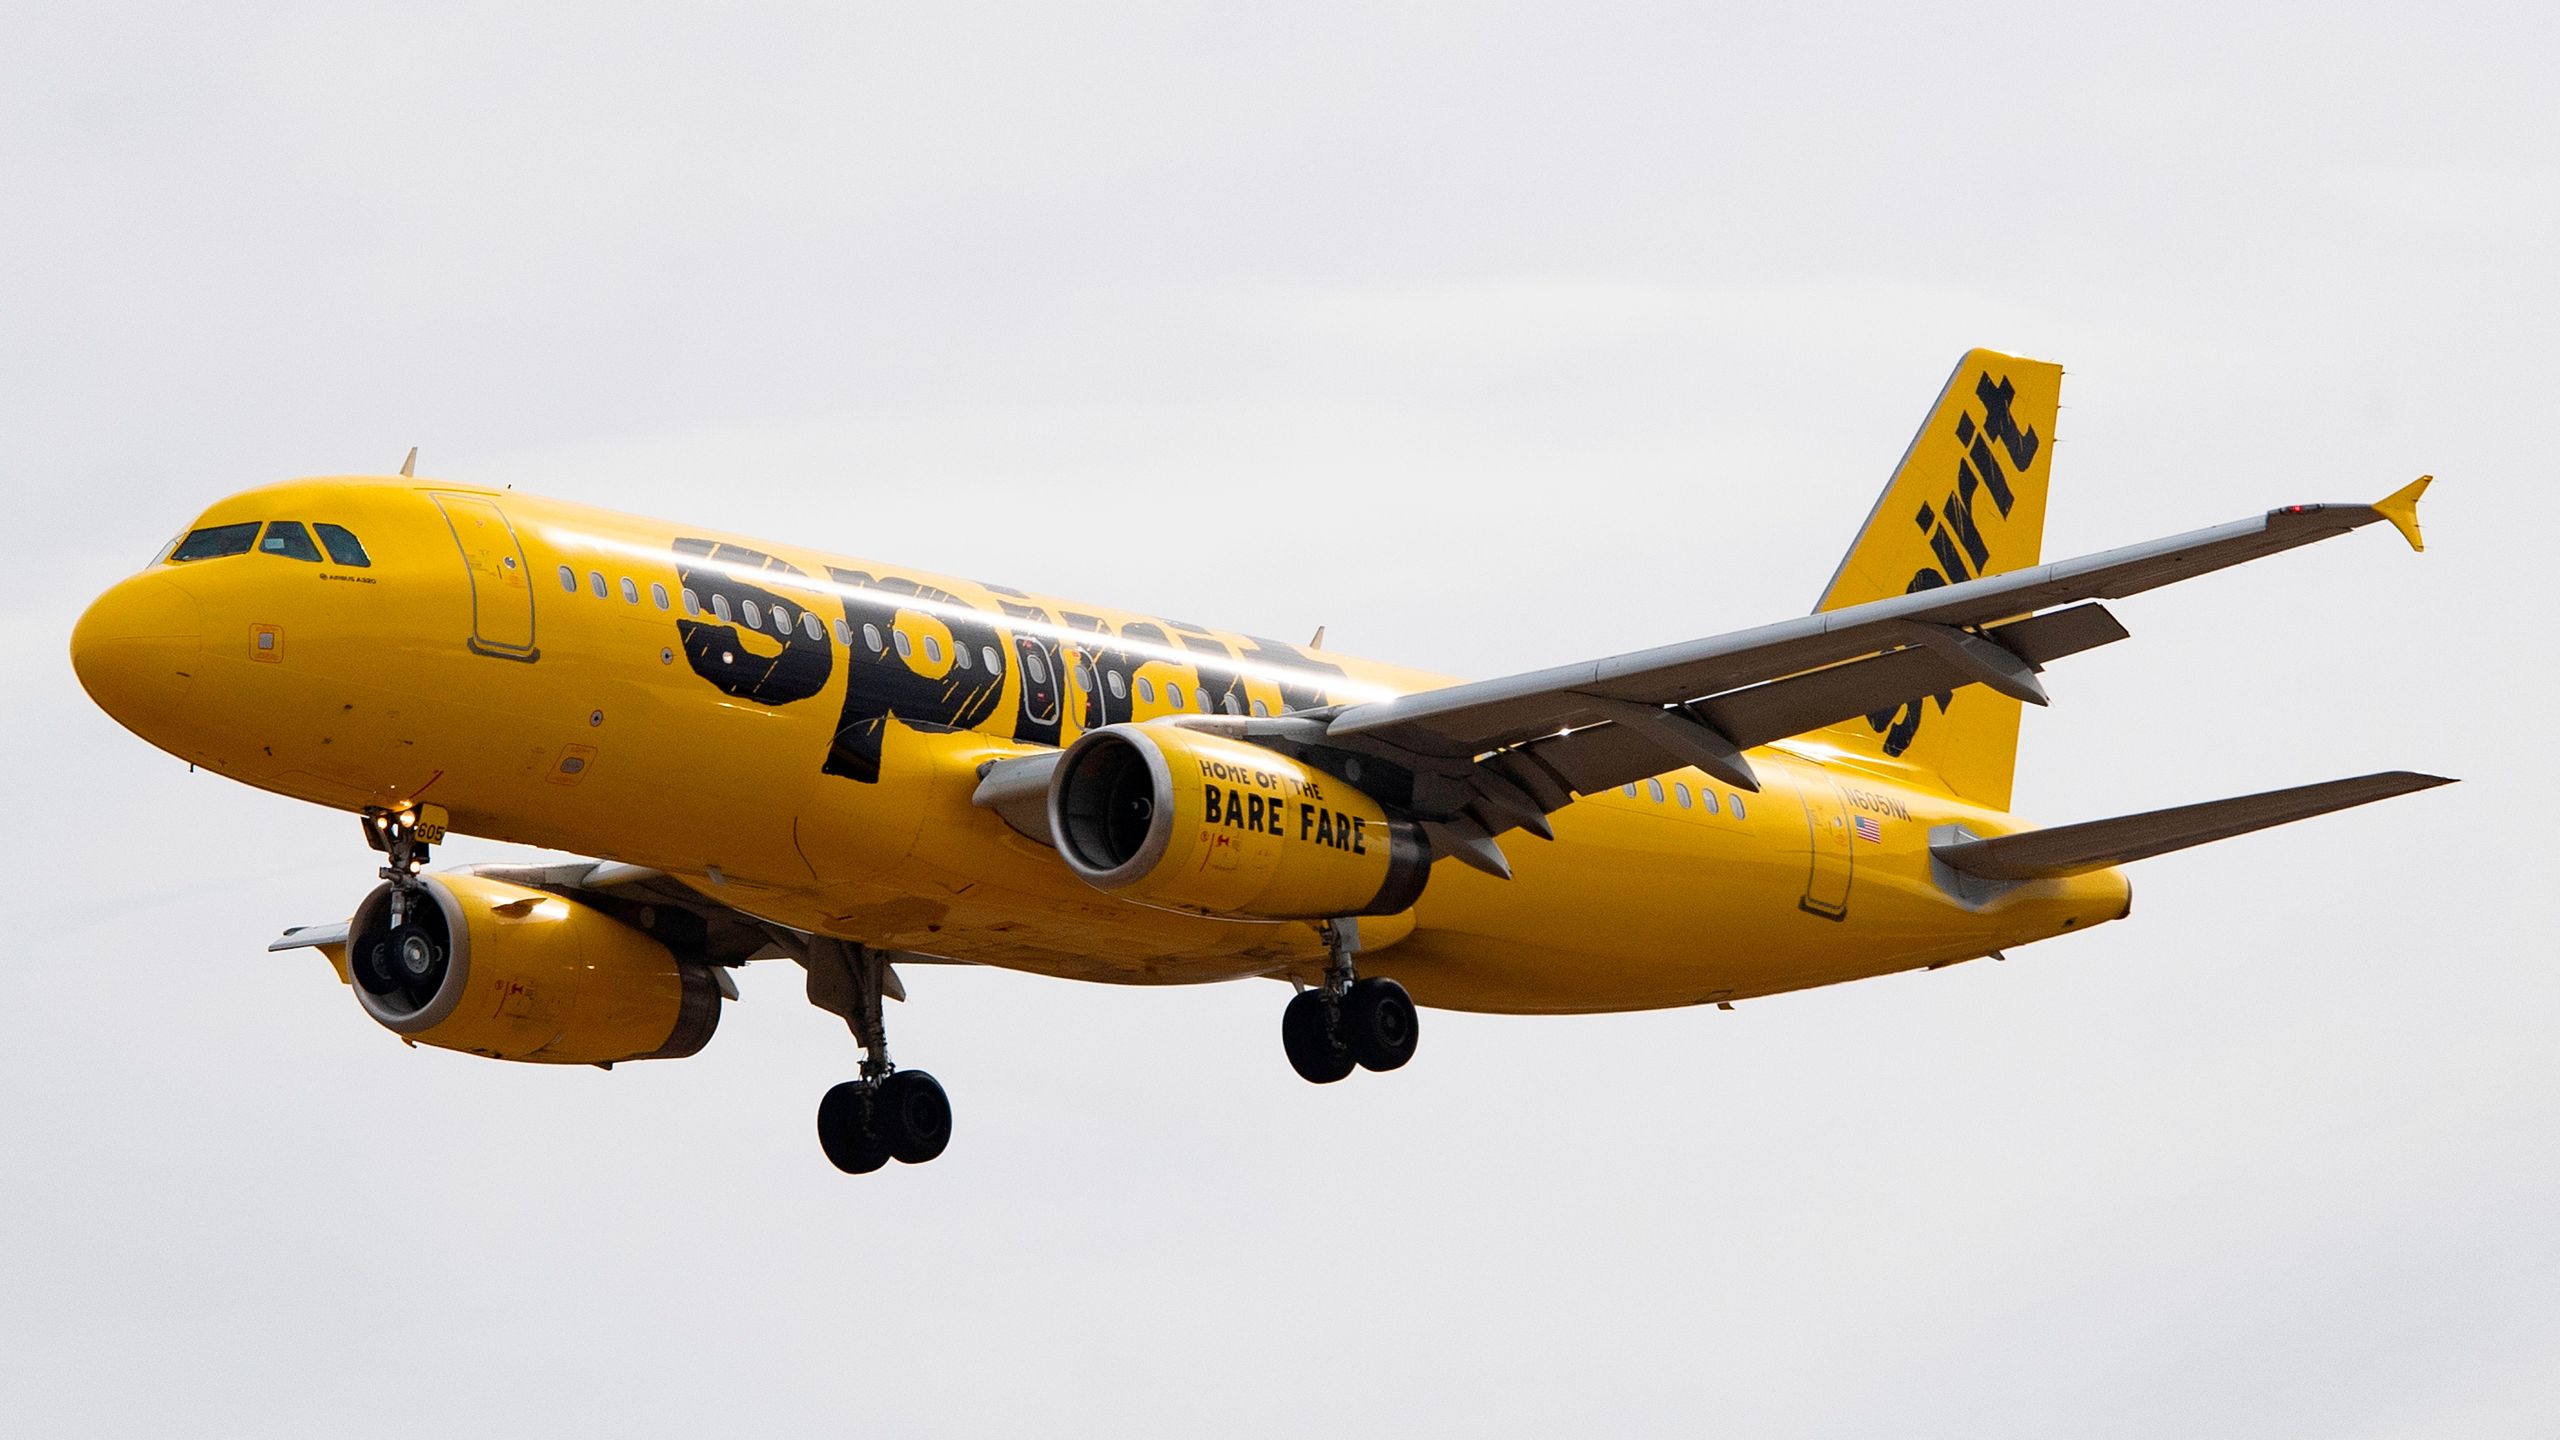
(1529, 333)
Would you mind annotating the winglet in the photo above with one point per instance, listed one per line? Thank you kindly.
(2401, 509)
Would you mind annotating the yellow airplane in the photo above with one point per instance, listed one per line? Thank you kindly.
(773, 752)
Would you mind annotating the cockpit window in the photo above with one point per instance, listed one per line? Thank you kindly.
(288, 539)
(215, 541)
(343, 546)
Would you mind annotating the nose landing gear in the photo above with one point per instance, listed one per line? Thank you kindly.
(888, 1114)
(1347, 1022)
(408, 956)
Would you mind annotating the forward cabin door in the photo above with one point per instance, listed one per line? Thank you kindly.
(1832, 861)
(501, 592)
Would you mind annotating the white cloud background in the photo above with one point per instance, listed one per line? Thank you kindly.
(1490, 337)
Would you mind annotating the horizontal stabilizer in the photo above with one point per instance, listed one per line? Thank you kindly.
(2072, 849)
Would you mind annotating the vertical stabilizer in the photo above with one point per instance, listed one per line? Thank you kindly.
(1967, 501)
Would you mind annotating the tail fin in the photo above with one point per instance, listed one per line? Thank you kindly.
(1967, 501)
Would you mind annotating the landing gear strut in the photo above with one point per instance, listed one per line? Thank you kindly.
(1347, 1022)
(408, 956)
(888, 1114)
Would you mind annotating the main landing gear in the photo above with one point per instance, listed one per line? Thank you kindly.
(1347, 1022)
(888, 1114)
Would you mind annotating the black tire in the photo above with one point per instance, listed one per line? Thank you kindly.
(1306, 1032)
(913, 1116)
(844, 1129)
(1379, 1024)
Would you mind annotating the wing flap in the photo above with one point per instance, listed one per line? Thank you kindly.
(1602, 758)
(1800, 703)
(1468, 720)
(2097, 844)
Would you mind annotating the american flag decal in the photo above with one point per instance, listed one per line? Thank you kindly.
(1868, 829)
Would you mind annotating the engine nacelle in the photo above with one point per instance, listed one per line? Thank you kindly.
(1190, 820)
(500, 970)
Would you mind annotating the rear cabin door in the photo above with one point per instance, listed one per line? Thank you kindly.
(501, 592)
(1833, 859)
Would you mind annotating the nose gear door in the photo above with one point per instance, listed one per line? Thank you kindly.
(1833, 859)
(501, 592)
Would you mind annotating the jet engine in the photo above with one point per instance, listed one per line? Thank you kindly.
(1190, 820)
(490, 968)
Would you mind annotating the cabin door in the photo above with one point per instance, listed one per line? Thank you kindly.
(1832, 862)
(501, 592)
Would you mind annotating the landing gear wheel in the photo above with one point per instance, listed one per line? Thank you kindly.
(844, 1129)
(1379, 1026)
(912, 1116)
(1307, 1033)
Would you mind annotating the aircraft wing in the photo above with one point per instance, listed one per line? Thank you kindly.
(1491, 755)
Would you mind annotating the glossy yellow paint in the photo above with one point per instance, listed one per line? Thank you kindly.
(543, 980)
(459, 669)
(1256, 833)
(1967, 500)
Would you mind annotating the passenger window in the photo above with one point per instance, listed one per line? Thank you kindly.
(810, 627)
(1737, 805)
(1227, 702)
(595, 579)
(720, 608)
(906, 647)
(1259, 710)
(871, 638)
(1681, 793)
(1146, 689)
(1173, 693)
(658, 594)
(1084, 676)
(1119, 687)
(215, 541)
(568, 579)
(1707, 798)
(1038, 667)
(752, 614)
(288, 539)
(782, 621)
(692, 602)
(995, 662)
(844, 634)
(1631, 790)
(343, 546)
(630, 592)
(959, 655)
(932, 650)
(1655, 788)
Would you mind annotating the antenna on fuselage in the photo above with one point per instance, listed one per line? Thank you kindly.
(1318, 642)
(409, 467)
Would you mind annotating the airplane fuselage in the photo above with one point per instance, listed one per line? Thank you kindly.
(799, 736)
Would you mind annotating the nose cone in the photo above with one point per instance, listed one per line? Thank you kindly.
(137, 648)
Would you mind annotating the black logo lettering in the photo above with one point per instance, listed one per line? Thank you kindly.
(908, 683)
(782, 663)
(1954, 527)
